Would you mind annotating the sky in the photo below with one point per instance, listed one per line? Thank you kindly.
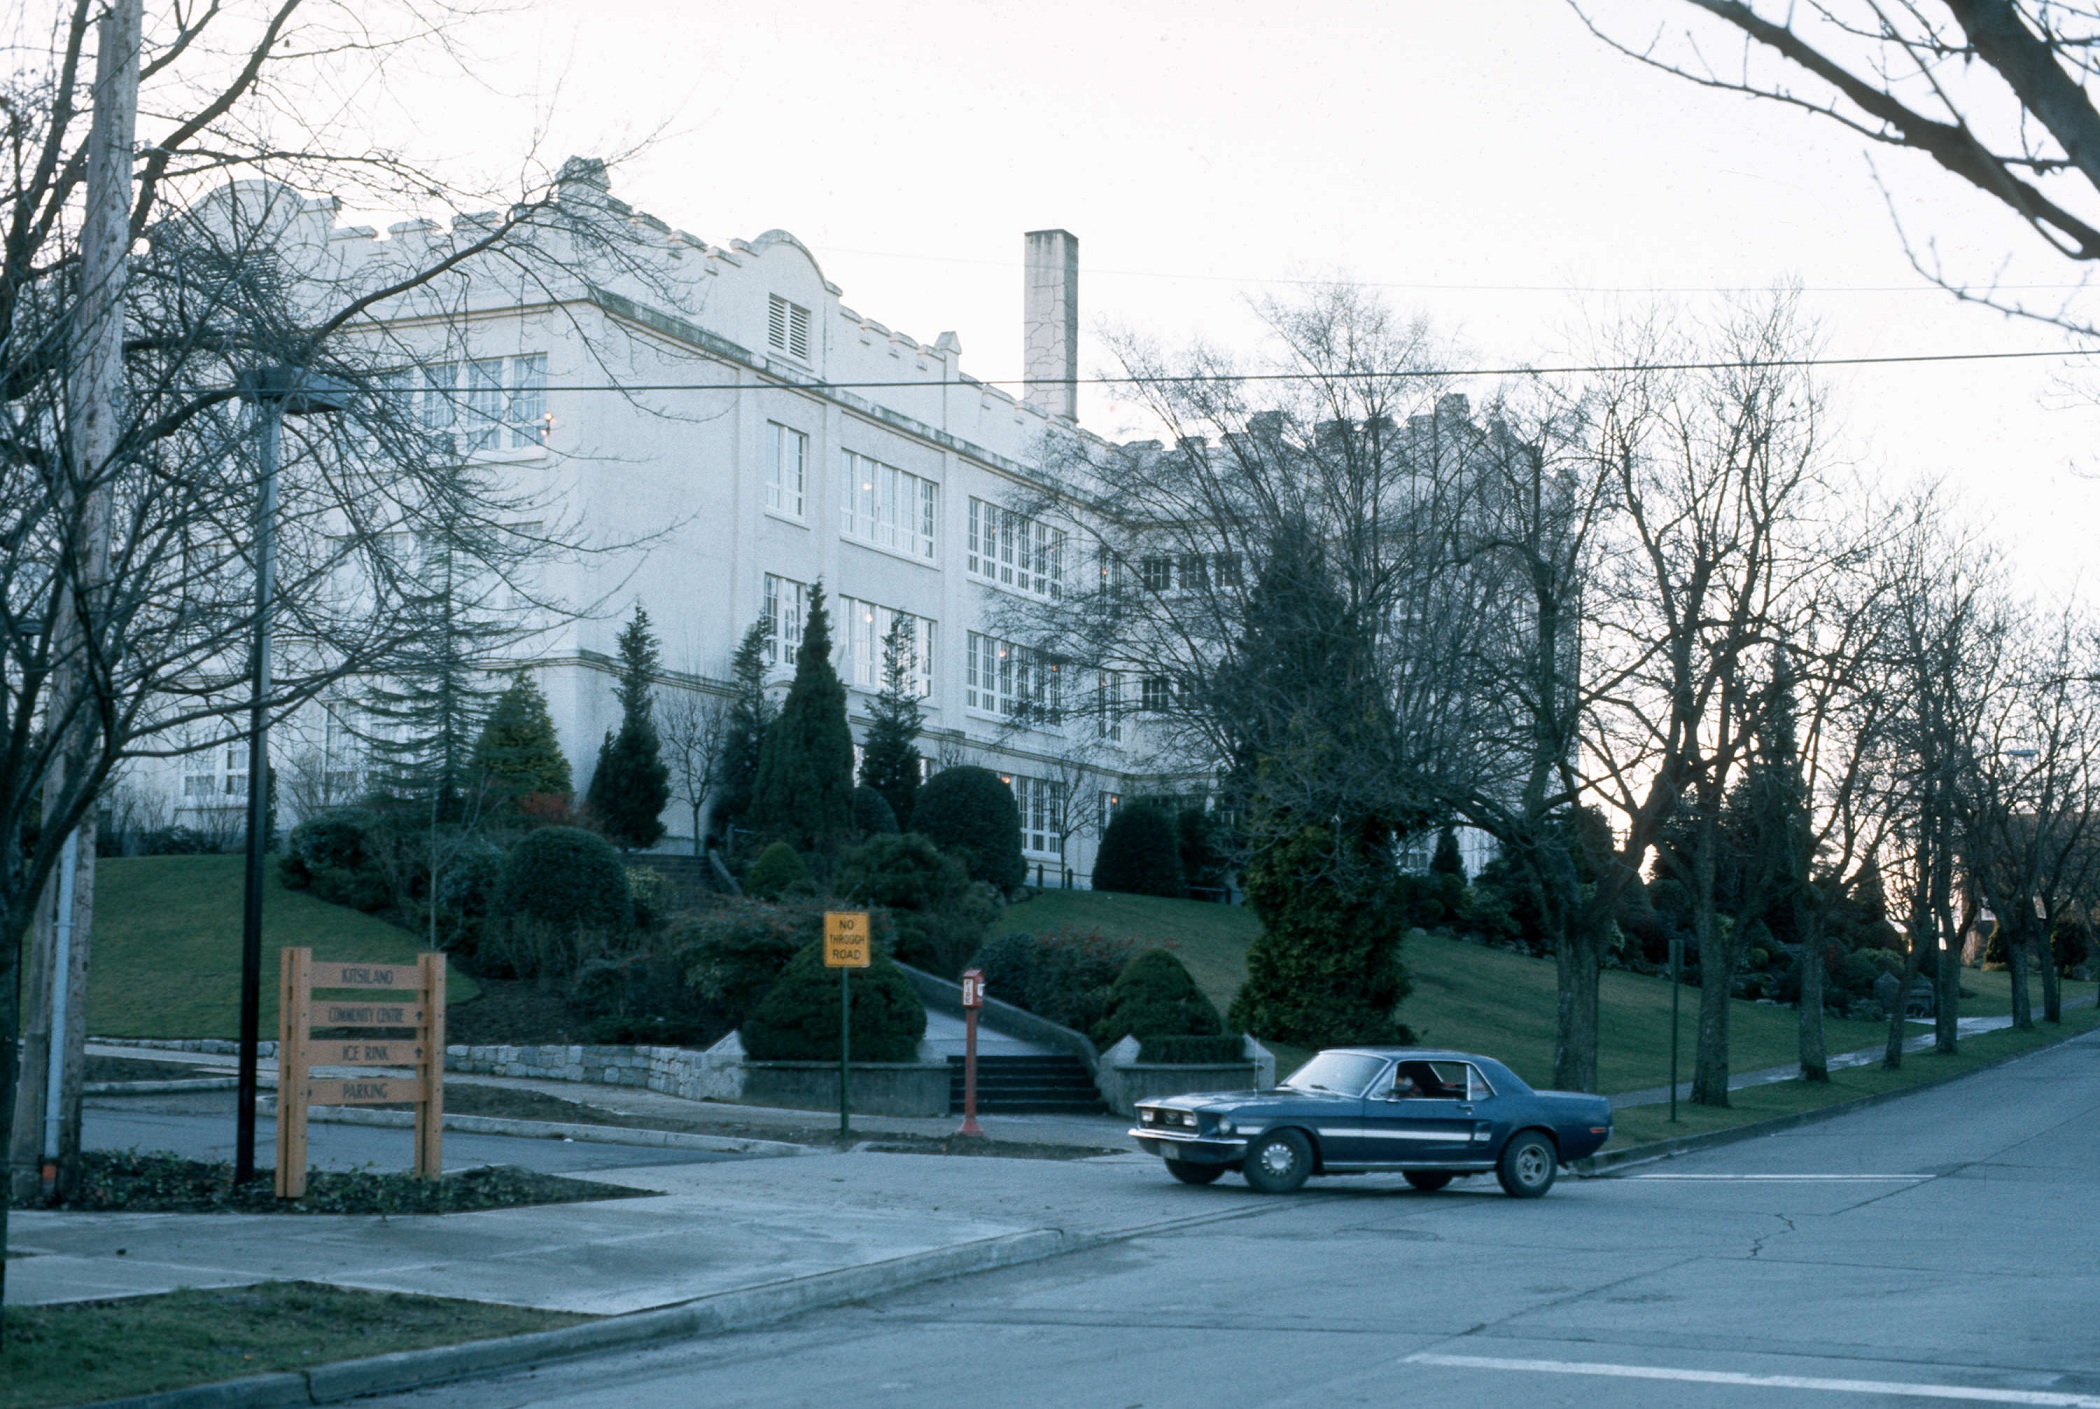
(1493, 166)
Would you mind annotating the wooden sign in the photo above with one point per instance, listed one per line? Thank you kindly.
(846, 939)
(396, 976)
(360, 1091)
(422, 987)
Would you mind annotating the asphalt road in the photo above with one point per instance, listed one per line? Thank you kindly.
(1937, 1249)
(201, 1126)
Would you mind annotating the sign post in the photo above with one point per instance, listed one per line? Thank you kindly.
(845, 949)
(973, 1000)
(409, 999)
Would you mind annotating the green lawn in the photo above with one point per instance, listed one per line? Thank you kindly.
(167, 946)
(56, 1355)
(1483, 1000)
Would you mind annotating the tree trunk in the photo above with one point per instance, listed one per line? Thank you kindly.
(2016, 970)
(1716, 974)
(2052, 984)
(26, 1136)
(1580, 929)
(1946, 1028)
(1913, 960)
(1815, 1057)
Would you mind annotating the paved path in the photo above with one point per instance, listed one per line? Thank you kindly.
(1933, 1249)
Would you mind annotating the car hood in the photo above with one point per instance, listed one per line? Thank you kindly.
(1230, 1102)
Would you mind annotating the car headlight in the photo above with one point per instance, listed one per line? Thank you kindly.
(1224, 1126)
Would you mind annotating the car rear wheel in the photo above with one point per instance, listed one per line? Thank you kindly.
(1279, 1162)
(1427, 1180)
(1189, 1173)
(1528, 1165)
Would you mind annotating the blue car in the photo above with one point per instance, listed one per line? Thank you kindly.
(1359, 1110)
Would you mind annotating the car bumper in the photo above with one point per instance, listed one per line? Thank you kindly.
(1190, 1147)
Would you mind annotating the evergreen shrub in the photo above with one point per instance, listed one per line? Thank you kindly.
(649, 893)
(798, 1019)
(1155, 997)
(338, 854)
(969, 813)
(733, 953)
(1140, 853)
(1063, 975)
(872, 813)
(939, 913)
(1190, 1050)
(567, 878)
(778, 870)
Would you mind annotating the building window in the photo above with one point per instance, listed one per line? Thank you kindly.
(886, 506)
(1108, 706)
(1158, 694)
(1010, 681)
(1106, 805)
(1225, 569)
(216, 776)
(1157, 572)
(787, 606)
(867, 626)
(787, 470)
(490, 403)
(1039, 801)
(1019, 553)
(787, 327)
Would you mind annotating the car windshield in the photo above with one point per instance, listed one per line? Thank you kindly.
(1337, 1073)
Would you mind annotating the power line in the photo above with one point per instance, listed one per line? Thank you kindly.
(1430, 286)
(780, 382)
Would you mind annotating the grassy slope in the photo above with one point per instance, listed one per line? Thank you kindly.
(1484, 1000)
(167, 946)
(58, 1355)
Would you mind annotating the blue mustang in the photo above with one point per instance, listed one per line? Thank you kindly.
(1357, 1110)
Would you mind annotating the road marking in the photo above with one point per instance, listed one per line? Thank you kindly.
(1785, 1178)
(1729, 1377)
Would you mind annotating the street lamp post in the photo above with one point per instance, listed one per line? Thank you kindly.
(277, 392)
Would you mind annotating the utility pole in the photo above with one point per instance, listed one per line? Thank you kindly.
(50, 1079)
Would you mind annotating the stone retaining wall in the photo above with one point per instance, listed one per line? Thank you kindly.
(878, 1088)
(713, 1075)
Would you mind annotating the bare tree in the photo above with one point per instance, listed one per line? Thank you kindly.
(693, 722)
(1996, 93)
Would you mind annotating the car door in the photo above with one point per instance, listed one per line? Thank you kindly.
(1423, 1115)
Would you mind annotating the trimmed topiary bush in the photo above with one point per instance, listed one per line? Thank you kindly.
(566, 878)
(872, 814)
(1155, 997)
(970, 814)
(798, 1019)
(778, 870)
(1141, 853)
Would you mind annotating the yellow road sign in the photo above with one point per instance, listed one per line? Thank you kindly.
(846, 939)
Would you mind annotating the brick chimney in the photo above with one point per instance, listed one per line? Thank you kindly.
(1050, 312)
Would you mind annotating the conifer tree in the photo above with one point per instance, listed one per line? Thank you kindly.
(518, 754)
(632, 784)
(804, 792)
(424, 715)
(890, 762)
(750, 716)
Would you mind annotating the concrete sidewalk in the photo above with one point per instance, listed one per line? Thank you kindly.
(714, 1228)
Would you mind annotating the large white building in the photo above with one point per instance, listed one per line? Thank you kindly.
(734, 432)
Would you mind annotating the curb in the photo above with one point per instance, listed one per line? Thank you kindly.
(160, 1088)
(724, 1311)
(560, 1130)
(1603, 1166)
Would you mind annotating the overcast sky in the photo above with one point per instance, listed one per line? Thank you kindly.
(1493, 165)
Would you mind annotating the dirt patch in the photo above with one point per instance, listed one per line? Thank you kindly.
(512, 1012)
(163, 1183)
(140, 1069)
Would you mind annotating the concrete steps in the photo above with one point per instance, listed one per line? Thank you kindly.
(1049, 1085)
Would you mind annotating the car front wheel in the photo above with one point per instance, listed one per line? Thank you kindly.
(1190, 1173)
(1279, 1163)
(1427, 1180)
(1527, 1166)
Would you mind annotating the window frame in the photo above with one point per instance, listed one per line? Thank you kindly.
(778, 435)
